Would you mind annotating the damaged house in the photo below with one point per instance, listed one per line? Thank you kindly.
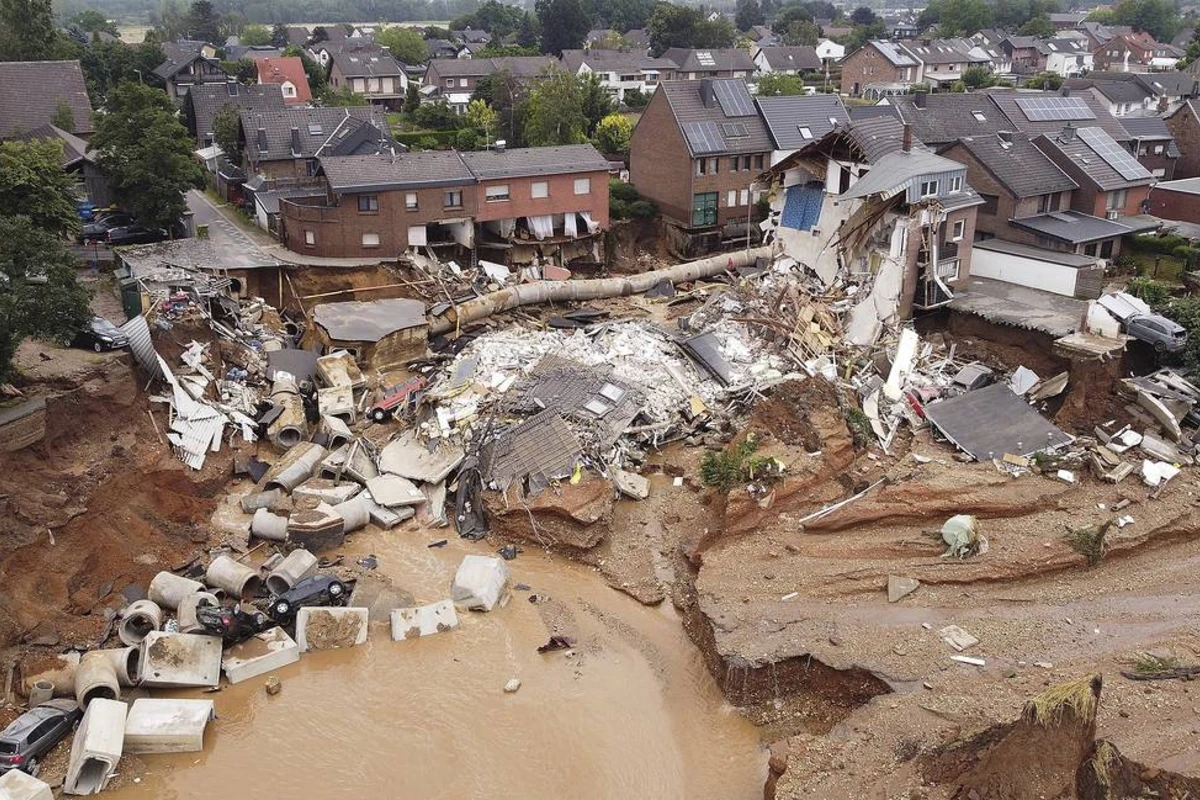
(865, 204)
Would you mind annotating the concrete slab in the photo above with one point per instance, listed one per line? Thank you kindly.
(319, 628)
(266, 652)
(327, 491)
(989, 422)
(156, 725)
(97, 747)
(17, 785)
(433, 513)
(479, 582)
(386, 517)
(379, 597)
(899, 587)
(1021, 307)
(413, 623)
(390, 491)
(409, 458)
(316, 529)
(180, 659)
(631, 484)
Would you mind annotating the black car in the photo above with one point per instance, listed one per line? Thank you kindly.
(100, 335)
(319, 590)
(99, 228)
(233, 623)
(134, 234)
(34, 733)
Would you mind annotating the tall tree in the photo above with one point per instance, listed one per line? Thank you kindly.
(612, 134)
(597, 102)
(509, 96)
(204, 23)
(226, 126)
(749, 14)
(405, 44)
(106, 64)
(801, 32)
(1040, 27)
(625, 15)
(279, 35)
(27, 31)
(556, 113)
(147, 154)
(529, 33)
(1159, 18)
(958, 17)
(863, 16)
(33, 183)
(54, 306)
(565, 25)
(90, 20)
(790, 14)
(775, 84)
(255, 35)
(686, 26)
(480, 124)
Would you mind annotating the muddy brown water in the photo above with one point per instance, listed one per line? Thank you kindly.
(630, 712)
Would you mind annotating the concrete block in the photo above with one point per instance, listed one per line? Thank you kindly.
(99, 742)
(631, 484)
(411, 458)
(385, 517)
(17, 785)
(479, 583)
(316, 529)
(180, 659)
(326, 490)
(392, 490)
(156, 725)
(268, 651)
(411, 623)
(319, 628)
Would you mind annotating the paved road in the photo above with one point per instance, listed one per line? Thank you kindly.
(233, 243)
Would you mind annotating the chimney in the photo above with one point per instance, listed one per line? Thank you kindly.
(906, 142)
(295, 141)
(920, 99)
(1066, 91)
(1005, 136)
(1068, 133)
(501, 145)
(262, 140)
(708, 95)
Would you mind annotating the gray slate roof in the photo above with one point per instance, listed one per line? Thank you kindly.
(179, 54)
(879, 136)
(723, 60)
(1007, 101)
(1147, 128)
(370, 321)
(322, 131)
(350, 174)
(32, 91)
(1072, 226)
(786, 115)
(1114, 91)
(785, 58)
(898, 169)
(948, 116)
(614, 61)
(207, 99)
(683, 98)
(74, 148)
(368, 61)
(1022, 167)
(528, 161)
(1090, 162)
(860, 113)
(520, 66)
(940, 51)
(893, 53)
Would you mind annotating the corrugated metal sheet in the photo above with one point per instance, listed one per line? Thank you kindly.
(142, 348)
(193, 439)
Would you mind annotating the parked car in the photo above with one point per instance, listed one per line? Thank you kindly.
(396, 399)
(1156, 330)
(33, 734)
(100, 335)
(134, 234)
(99, 227)
(319, 590)
(233, 623)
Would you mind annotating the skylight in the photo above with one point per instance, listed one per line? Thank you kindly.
(979, 117)
(805, 131)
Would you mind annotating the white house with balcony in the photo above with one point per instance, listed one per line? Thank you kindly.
(620, 72)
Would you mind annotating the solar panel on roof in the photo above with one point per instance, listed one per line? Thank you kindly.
(734, 130)
(706, 59)
(734, 98)
(1044, 109)
(703, 137)
(1113, 154)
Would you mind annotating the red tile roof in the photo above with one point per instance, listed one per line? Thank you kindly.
(286, 69)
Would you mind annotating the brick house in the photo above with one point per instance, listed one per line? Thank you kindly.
(1022, 53)
(202, 104)
(620, 71)
(287, 143)
(879, 68)
(525, 206)
(695, 152)
(189, 64)
(455, 79)
(1112, 184)
(1153, 145)
(1184, 125)
(1178, 200)
(286, 72)
(693, 65)
(370, 71)
(1136, 52)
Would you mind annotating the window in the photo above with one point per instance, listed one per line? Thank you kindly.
(1090, 250)
(805, 131)
(453, 199)
(1158, 148)
(704, 209)
(583, 186)
(731, 198)
(462, 82)
(368, 203)
(745, 163)
(410, 201)
(979, 117)
(929, 188)
(956, 183)
(1116, 200)
(1106, 248)
(948, 270)
(310, 238)
(733, 163)
(370, 240)
(449, 83)
(745, 197)
(495, 194)
(289, 90)
(539, 190)
(959, 230)
(758, 162)
(1044, 203)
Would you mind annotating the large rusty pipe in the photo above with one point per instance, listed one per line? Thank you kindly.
(596, 289)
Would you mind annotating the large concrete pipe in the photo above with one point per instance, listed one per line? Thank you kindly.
(236, 578)
(268, 526)
(127, 661)
(96, 677)
(167, 589)
(58, 670)
(42, 691)
(355, 513)
(138, 619)
(271, 500)
(296, 467)
(337, 430)
(298, 565)
(186, 615)
(290, 428)
(565, 291)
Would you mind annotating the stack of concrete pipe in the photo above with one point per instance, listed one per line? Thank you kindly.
(290, 428)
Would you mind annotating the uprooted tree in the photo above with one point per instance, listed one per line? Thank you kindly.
(39, 295)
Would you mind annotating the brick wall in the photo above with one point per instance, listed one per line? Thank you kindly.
(867, 65)
(1186, 130)
(561, 197)
(1168, 204)
(660, 165)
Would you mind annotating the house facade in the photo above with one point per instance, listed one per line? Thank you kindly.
(288, 143)
(1153, 145)
(1136, 52)
(455, 80)
(1065, 57)
(1184, 124)
(787, 60)
(695, 152)
(370, 71)
(189, 64)
(717, 63)
(620, 72)
(879, 68)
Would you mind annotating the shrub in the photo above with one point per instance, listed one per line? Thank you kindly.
(1155, 293)
(725, 469)
(642, 209)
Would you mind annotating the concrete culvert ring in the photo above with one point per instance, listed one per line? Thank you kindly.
(139, 619)
(133, 667)
(289, 437)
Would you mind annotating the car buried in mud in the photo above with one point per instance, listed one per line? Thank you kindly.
(35, 733)
(319, 590)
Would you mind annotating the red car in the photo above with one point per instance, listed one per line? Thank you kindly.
(396, 398)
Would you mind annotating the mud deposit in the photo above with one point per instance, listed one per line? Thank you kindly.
(629, 712)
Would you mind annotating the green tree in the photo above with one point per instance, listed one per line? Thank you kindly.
(957, 17)
(978, 77)
(493, 50)
(339, 98)
(613, 134)
(203, 23)
(27, 31)
(863, 16)
(63, 117)
(90, 20)
(802, 33)
(106, 64)
(405, 44)
(438, 116)
(320, 34)
(412, 97)
(556, 114)
(226, 126)
(255, 35)
(1159, 18)
(686, 26)
(146, 153)
(54, 306)
(862, 34)
(565, 25)
(625, 15)
(509, 96)
(244, 70)
(279, 35)
(788, 15)
(749, 13)
(529, 33)
(1045, 80)
(480, 123)
(775, 84)
(597, 102)
(1039, 26)
(34, 184)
